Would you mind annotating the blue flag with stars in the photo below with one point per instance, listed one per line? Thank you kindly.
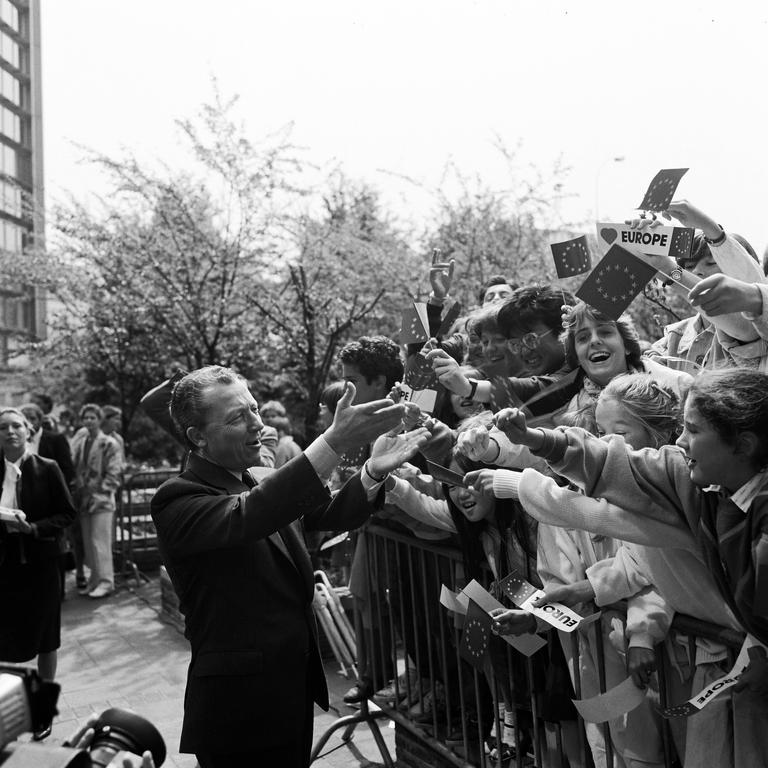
(615, 282)
(572, 257)
(662, 189)
(475, 638)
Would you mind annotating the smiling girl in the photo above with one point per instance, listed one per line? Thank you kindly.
(603, 349)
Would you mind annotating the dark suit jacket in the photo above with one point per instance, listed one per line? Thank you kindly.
(44, 498)
(239, 565)
(54, 445)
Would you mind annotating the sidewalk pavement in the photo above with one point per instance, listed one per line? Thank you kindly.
(117, 652)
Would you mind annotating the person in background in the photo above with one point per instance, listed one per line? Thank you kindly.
(53, 445)
(110, 424)
(49, 445)
(98, 464)
(30, 590)
(287, 448)
(495, 289)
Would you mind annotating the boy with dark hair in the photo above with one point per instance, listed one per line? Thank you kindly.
(496, 288)
(373, 364)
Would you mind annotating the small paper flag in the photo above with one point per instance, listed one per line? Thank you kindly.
(662, 189)
(445, 475)
(682, 243)
(516, 588)
(572, 257)
(474, 640)
(615, 281)
(419, 374)
(413, 328)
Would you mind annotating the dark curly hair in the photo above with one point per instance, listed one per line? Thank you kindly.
(374, 356)
(533, 304)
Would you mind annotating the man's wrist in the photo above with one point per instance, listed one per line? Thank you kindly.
(372, 473)
(435, 299)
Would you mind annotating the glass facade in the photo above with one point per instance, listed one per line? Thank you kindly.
(22, 314)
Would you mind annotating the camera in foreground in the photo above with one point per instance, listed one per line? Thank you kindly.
(28, 704)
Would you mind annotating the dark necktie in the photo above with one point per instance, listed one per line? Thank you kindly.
(248, 480)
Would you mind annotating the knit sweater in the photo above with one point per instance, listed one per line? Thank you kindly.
(738, 560)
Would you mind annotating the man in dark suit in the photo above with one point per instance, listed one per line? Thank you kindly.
(237, 560)
(49, 445)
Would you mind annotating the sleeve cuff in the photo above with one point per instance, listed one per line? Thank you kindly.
(554, 445)
(322, 458)
(370, 486)
(506, 483)
(641, 640)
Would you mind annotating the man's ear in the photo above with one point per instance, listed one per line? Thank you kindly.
(381, 384)
(196, 437)
(747, 445)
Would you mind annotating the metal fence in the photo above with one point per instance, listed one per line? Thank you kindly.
(134, 545)
(405, 635)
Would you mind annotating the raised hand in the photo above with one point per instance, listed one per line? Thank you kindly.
(690, 216)
(441, 275)
(641, 664)
(720, 295)
(512, 422)
(481, 481)
(357, 425)
(449, 373)
(390, 451)
(474, 443)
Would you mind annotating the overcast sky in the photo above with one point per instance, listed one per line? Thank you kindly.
(403, 86)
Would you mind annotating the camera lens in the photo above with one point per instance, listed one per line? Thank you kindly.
(121, 730)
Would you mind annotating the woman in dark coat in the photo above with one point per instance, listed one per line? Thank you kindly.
(36, 508)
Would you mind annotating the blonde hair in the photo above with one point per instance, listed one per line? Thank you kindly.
(655, 406)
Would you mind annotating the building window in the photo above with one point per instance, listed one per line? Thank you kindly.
(10, 236)
(8, 161)
(9, 87)
(10, 124)
(9, 50)
(9, 14)
(10, 199)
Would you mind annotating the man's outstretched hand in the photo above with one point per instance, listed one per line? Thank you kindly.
(357, 425)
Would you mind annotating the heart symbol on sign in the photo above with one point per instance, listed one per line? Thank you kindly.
(609, 235)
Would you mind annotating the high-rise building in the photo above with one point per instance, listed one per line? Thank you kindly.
(22, 307)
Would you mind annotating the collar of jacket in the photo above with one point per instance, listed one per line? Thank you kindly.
(215, 475)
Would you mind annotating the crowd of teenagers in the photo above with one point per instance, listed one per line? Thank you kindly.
(614, 472)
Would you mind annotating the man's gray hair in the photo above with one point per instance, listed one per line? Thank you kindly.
(187, 405)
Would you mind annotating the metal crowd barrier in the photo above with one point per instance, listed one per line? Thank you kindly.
(134, 546)
(409, 637)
